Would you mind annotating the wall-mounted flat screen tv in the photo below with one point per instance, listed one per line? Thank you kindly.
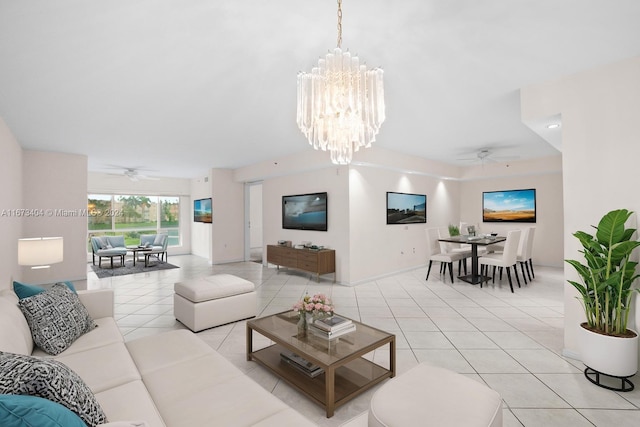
(202, 210)
(509, 206)
(305, 212)
(406, 208)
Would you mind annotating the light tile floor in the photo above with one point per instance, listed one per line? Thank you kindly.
(511, 342)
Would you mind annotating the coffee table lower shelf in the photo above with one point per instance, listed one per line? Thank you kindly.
(351, 379)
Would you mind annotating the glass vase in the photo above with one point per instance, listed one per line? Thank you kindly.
(302, 325)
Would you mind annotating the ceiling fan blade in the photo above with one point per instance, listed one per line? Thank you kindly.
(122, 167)
(505, 157)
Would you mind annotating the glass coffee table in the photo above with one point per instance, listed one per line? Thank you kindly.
(346, 373)
(136, 250)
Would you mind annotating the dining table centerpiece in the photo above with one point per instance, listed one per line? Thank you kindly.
(311, 308)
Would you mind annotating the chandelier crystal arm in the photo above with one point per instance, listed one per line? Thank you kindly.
(339, 43)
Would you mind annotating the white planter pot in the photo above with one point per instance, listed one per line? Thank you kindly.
(609, 355)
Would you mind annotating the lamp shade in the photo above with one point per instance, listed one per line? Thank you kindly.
(40, 251)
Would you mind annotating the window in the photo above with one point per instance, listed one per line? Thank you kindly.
(133, 215)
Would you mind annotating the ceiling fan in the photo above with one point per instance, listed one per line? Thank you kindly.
(485, 155)
(133, 173)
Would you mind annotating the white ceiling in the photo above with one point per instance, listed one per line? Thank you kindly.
(179, 87)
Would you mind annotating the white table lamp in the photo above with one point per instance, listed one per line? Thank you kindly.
(40, 252)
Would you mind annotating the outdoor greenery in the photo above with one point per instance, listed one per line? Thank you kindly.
(129, 212)
(605, 291)
(134, 207)
(132, 215)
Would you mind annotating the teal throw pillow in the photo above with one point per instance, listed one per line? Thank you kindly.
(159, 240)
(23, 290)
(18, 410)
(147, 238)
(100, 242)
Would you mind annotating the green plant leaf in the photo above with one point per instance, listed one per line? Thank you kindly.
(611, 227)
(608, 274)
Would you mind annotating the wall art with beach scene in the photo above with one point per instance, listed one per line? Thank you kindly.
(202, 210)
(509, 206)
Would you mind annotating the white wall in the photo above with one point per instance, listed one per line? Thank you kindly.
(10, 199)
(549, 236)
(334, 181)
(55, 183)
(379, 249)
(200, 232)
(600, 141)
(255, 216)
(227, 241)
(104, 183)
(366, 246)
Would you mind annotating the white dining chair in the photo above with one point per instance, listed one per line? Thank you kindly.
(525, 251)
(496, 248)
(454, 248)
(464, 230)
(434, 253)
(506, 259)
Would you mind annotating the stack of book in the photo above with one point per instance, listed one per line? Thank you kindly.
(332, 327)
(301, 364)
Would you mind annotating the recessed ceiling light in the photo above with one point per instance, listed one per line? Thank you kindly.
(553, 126)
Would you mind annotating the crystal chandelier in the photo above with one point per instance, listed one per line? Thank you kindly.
(340, 103)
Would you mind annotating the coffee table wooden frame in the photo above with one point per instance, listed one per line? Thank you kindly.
(346, 373)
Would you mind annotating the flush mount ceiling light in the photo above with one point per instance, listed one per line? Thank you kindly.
(553, 126)
(340, 103)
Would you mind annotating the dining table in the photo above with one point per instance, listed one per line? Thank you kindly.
(480, 240)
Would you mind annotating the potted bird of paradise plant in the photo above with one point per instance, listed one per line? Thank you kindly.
(607, 345)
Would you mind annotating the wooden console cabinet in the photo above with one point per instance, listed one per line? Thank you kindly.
(318, 262)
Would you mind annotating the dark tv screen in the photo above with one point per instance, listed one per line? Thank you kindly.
(509, 206)
(202, 210)
(406, 208)
(305, 212)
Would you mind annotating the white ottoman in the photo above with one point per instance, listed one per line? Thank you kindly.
(212, 301)
(431, 396)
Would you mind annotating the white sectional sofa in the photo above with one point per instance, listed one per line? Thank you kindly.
(170, 379)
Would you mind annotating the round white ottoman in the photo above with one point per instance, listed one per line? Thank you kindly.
(431, 396)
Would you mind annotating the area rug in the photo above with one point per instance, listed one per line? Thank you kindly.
(107, 271)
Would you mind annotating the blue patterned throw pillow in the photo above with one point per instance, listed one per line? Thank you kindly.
(52, 380)
(56, 318)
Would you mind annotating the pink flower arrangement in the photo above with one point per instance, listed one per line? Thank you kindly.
(319, 304)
